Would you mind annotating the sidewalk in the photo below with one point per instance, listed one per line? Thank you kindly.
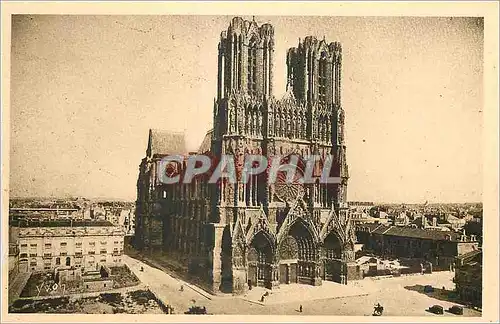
(165, 287)
(150, 261)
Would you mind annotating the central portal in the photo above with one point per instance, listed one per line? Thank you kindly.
(298, 256)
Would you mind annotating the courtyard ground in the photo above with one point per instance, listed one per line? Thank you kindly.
(43, 283)
(400, 296)
(131, 302)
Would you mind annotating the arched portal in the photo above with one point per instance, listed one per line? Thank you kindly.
(332, 249)
(226, 263)
(260, 260)
(298, 255)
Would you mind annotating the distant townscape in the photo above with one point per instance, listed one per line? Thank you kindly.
(118, 213)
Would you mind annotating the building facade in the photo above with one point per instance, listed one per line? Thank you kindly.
(83, 245)
(439, 248)
(469, 277)
(260, 233)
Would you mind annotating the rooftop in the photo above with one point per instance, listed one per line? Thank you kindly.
(165, 142)
(206, 144)
(412, 232)
(64, 223)
(472, 256)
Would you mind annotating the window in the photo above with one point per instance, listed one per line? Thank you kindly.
(48, 245)
(322, 78)
(47, 255)
(64, 253)
(32, 254)
(24, 245)
(33, 245)
(58, 261)
(103, 242)
(91, 243)
(252, 67)
(68, 261)
(103, 252)
(78, 243)
(91, 252)
(64, 244)
(23, 255)
(116, 242)
(79, 253)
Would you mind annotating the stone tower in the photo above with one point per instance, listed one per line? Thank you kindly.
(258, 225)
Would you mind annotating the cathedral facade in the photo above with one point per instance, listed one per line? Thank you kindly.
(259, 233)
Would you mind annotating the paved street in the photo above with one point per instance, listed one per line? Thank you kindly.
(389, 292)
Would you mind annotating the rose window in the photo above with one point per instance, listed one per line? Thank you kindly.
(287, 190)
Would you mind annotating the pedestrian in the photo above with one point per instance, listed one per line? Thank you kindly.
(300, 309)
(182, 288)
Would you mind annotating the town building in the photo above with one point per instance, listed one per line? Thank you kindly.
(41, 214)
(438, 248)
(469, 277)
(58, 244)
(361, 213)
(236, 235)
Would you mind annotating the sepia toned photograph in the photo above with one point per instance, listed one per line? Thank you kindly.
(215, 163)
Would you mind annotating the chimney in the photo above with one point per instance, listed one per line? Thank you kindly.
(434, 221)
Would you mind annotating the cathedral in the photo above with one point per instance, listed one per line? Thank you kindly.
(232, 236)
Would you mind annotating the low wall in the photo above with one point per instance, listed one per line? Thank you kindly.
(98, 285)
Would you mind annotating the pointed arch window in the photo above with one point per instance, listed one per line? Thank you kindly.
(322, 78)
(252, 66)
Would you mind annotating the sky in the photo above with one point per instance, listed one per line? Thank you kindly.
(85, 90)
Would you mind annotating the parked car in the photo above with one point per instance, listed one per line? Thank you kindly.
(428, 289)
(457, 310)
(196, 310)
(436, 309)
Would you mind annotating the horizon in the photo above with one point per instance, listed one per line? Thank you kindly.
(82, 102)
(111, 199)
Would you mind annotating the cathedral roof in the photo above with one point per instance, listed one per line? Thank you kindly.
(163, 142)
(206, 145)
